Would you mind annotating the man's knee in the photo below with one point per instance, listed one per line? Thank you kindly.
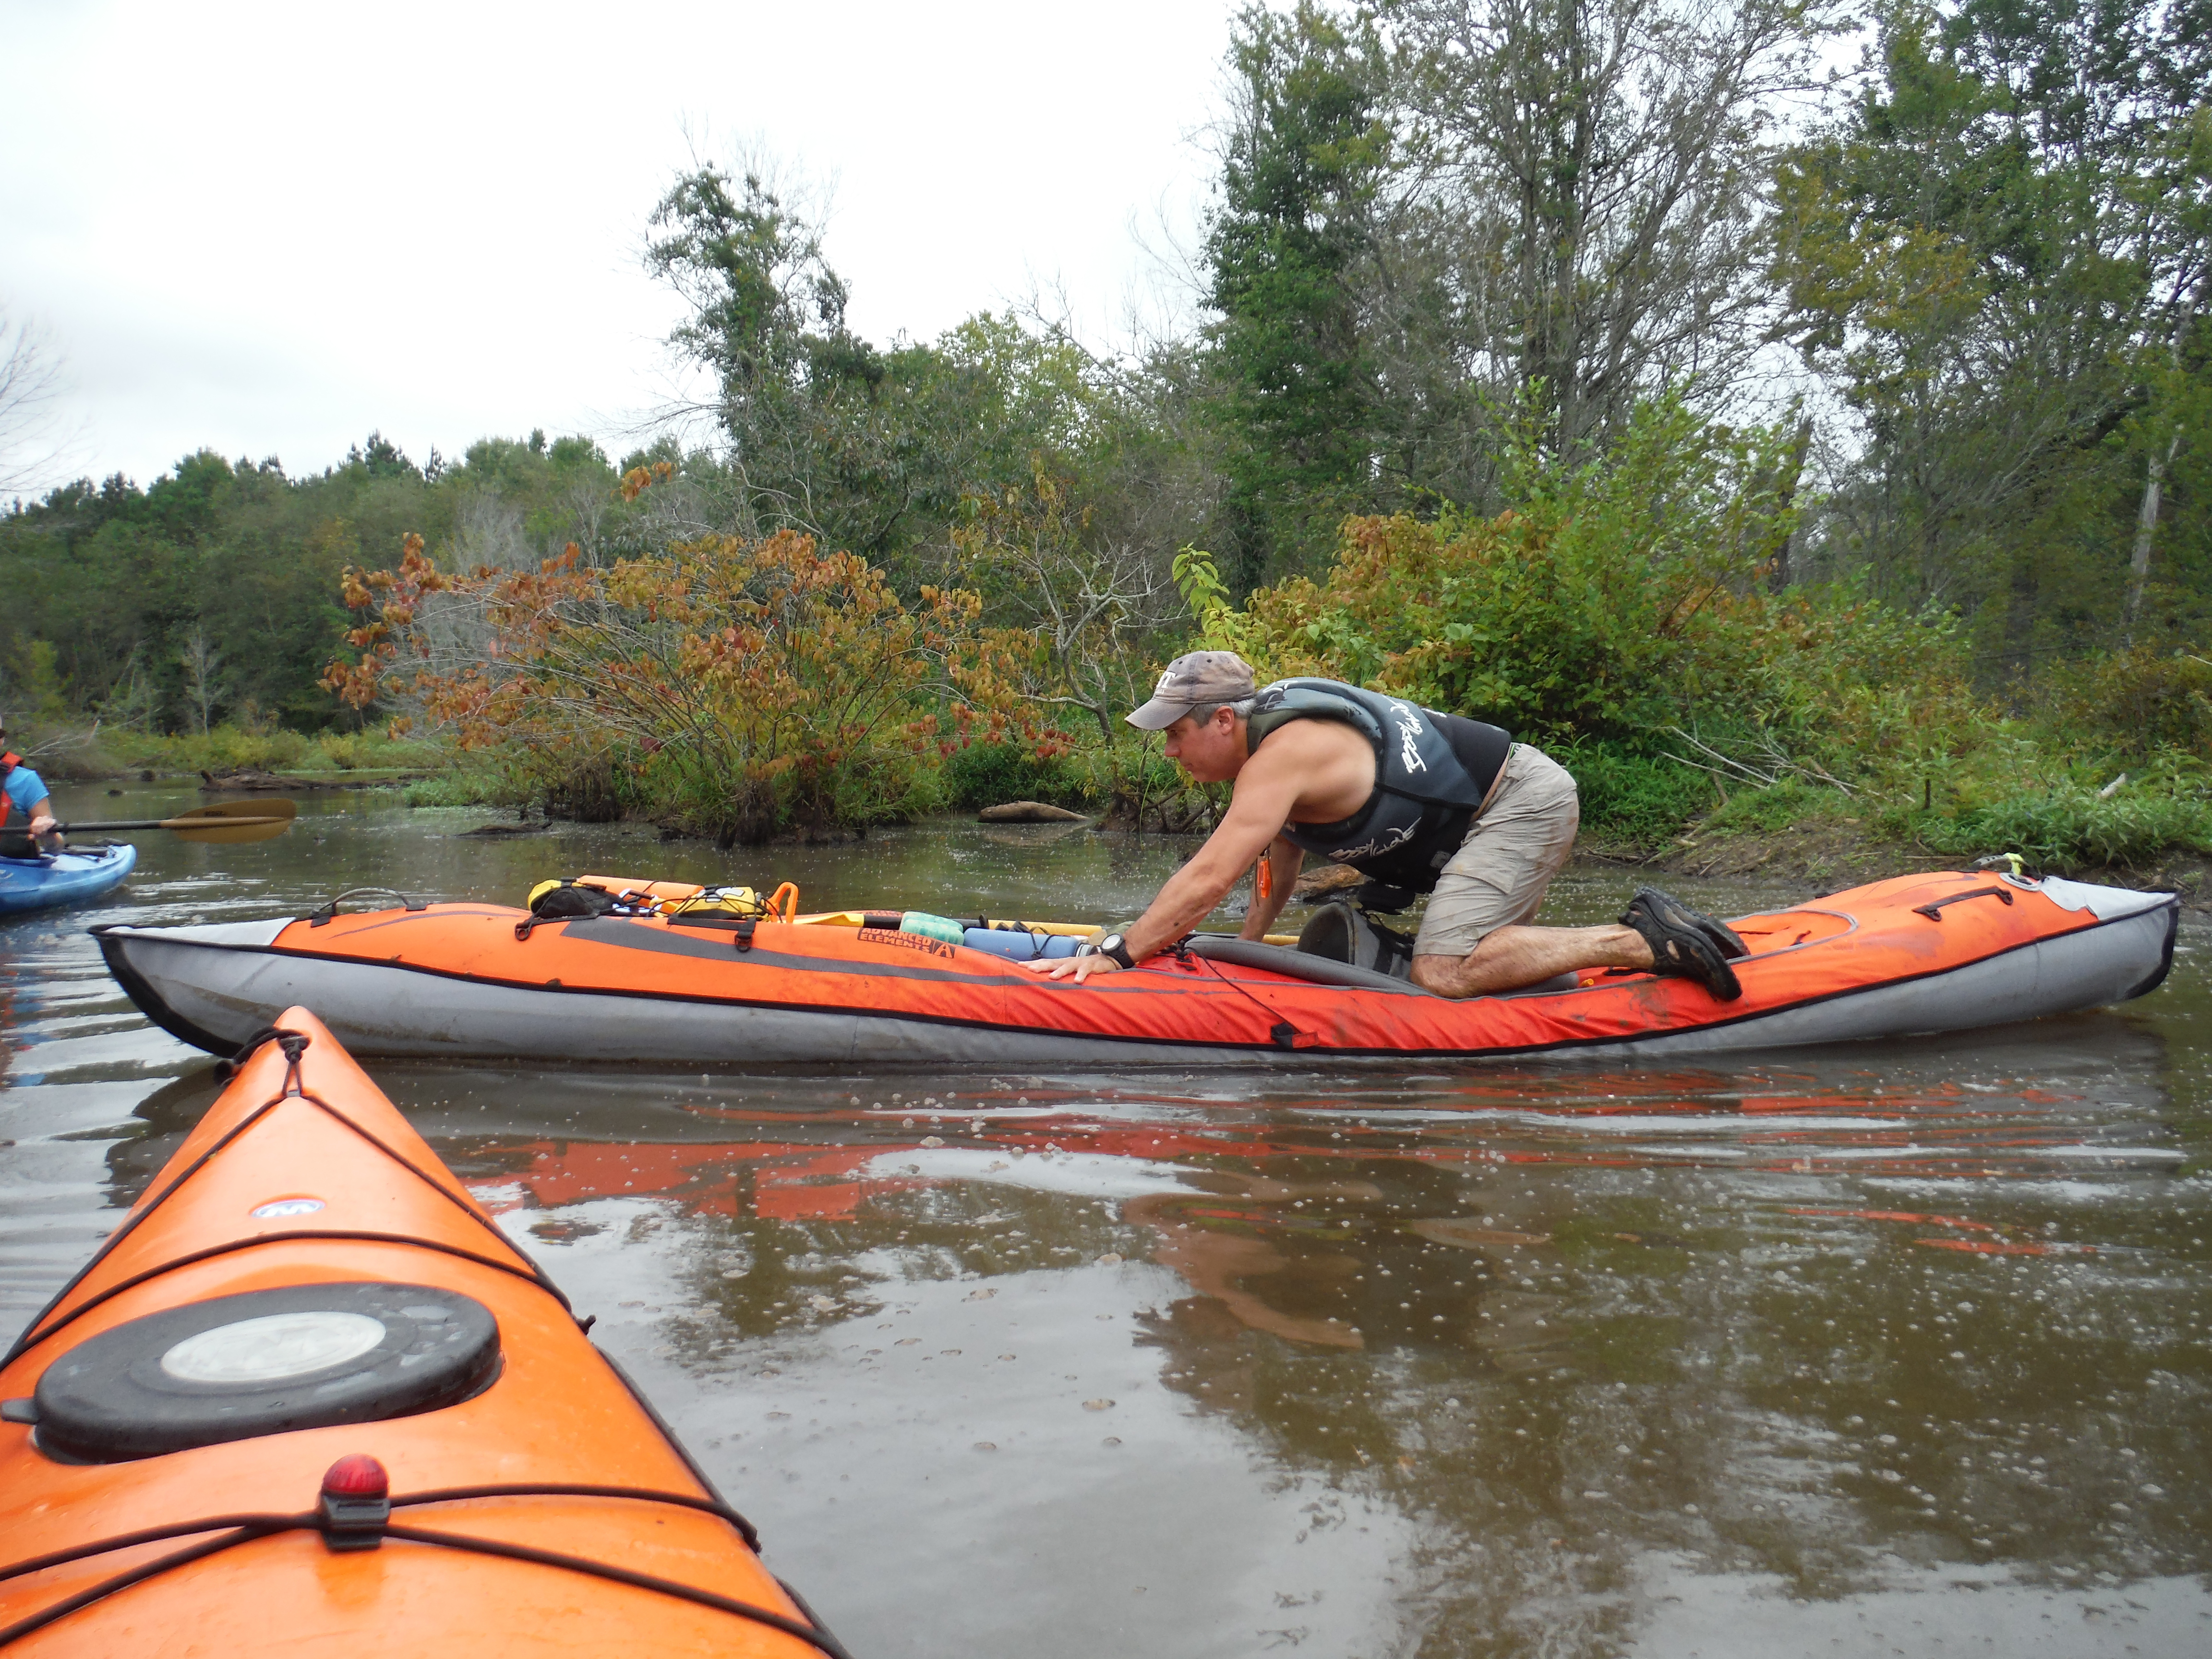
(1437, 973)
(1449, 975)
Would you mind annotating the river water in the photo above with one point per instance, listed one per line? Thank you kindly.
(1896, 1349)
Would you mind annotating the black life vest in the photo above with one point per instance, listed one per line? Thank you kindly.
(1432, 773)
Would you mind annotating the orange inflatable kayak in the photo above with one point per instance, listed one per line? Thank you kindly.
(308, 1399)
(1940, 953)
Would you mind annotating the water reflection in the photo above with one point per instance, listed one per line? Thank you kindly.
(1885, 1349)
(1806, 1325)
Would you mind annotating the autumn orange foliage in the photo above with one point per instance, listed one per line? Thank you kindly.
(639, 479)
(756, 683)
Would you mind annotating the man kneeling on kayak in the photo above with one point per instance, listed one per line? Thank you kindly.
(1410, 798)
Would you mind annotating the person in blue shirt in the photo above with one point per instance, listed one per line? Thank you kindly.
(24, 807)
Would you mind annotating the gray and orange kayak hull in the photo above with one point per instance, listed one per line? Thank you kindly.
(1926, 953)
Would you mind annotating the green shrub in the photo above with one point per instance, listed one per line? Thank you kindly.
(224, 749)
(455, 789)
(1615, 598)
(2071, 827)
(886, 787)
(2135, 702)
(230, 749)
(342, 750)
(1633, 798)
(372, 751)
(477, 781)
(986, 773)
(227, 747)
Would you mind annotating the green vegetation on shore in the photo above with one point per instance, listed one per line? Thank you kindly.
(67, 750)
(1441, 436)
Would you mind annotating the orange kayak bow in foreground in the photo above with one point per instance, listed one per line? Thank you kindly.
(307, 1399)
(1943, 952)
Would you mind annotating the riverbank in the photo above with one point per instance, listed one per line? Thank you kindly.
(1820, 854)
(80, 751)
(1829, 855)
(1664, 821)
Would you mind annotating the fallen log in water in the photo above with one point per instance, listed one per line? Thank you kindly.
(1028, 811)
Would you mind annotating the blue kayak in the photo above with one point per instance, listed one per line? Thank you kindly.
(63, 878)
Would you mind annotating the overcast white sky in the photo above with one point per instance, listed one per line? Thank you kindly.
(266, 229)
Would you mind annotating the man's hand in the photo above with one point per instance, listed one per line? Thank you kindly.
(43, 824)
(1075, 969)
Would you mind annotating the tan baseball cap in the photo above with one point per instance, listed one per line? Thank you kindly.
(1194, 681)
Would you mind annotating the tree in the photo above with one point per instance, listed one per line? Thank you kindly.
(1998, 254)
(1081, 605)
(2179, 391)
(813, 412)
(382, 459)
(1305, 154)
(201, 663)
(866, 449)
(1437, 214)
(115, 579)
(1588, 175)
(30, 381)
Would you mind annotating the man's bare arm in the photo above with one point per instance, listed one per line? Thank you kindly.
(1265, 791)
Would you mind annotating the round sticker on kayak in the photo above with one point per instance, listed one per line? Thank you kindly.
(279, 1207)
(275, 1348)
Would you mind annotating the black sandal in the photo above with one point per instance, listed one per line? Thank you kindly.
(1685, 943)
(1723, 937)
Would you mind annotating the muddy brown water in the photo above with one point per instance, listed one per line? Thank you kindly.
(1899, 1348)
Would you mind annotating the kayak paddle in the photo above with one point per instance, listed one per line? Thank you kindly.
(228, 822)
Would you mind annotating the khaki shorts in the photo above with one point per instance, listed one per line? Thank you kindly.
(1498, 877)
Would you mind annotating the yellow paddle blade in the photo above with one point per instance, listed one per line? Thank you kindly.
(230, 822)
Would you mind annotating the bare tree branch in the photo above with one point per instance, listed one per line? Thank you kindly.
(30, 386)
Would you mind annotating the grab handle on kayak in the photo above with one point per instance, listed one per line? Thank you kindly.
(328, 909)
(783, 903)
(1934, 911)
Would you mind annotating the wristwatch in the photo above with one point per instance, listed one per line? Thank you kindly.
(1116, 946)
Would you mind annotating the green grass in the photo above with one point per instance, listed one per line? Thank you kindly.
(1635, 799)
(456, 788)
(2068, 827)
(229, 749)
(2010, 794)
(1783, 805)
